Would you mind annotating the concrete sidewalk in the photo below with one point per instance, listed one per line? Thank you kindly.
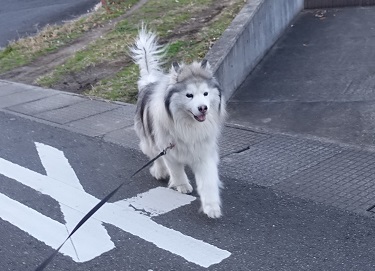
(317, 80)
(311, 169)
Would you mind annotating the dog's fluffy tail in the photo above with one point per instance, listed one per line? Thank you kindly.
(147, 54)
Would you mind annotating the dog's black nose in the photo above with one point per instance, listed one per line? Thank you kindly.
(202, 108)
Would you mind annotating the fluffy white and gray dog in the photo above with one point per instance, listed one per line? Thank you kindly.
(184, 108)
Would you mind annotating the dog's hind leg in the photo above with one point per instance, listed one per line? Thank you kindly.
(178, 179)
(208, 186)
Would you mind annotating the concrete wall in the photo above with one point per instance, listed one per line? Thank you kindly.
(251, 34)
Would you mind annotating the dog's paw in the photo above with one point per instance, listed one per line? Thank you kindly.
(158, 172)
(183, 188)
(212, 210)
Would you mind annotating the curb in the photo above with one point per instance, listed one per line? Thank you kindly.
(248, 38)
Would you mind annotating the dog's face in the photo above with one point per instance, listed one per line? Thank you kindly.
(198, 100)
(194, 93)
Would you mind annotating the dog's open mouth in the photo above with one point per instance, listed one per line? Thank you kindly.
(200, 118)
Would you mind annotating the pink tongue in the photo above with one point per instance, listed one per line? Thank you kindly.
(202, 117)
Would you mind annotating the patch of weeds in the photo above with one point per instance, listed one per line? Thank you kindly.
(80, 59)
(218, 26)
(121, 87)
(10, 57)
(51, 38)
(6, 52)
(103, 50)
(177, 23)
(174, 48)
(162, 15)
(186, 49)
(165, 15)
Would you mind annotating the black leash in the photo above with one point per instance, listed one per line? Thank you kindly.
(96, 208)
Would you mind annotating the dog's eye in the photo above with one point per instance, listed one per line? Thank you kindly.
(205, 94)
(189, 95)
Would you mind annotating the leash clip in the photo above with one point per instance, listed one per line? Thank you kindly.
(171, 146)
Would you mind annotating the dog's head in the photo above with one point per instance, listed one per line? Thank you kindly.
(193, 92)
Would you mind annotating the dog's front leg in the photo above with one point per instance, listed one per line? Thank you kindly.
(178, 179)
(208, 185)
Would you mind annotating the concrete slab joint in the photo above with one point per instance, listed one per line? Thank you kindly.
(251, 34)
(317, 4)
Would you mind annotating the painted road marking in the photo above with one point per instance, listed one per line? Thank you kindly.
(62, 184)
(85, 247)
(53, 233)
(154, 203)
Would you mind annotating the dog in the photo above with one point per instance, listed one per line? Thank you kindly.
(183, 108)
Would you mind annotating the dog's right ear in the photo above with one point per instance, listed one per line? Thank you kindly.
(176, 66)
(174, 72)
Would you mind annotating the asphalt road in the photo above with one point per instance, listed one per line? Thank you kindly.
(19, 18)
(261, 229)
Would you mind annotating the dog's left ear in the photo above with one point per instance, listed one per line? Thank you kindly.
(205, 65)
